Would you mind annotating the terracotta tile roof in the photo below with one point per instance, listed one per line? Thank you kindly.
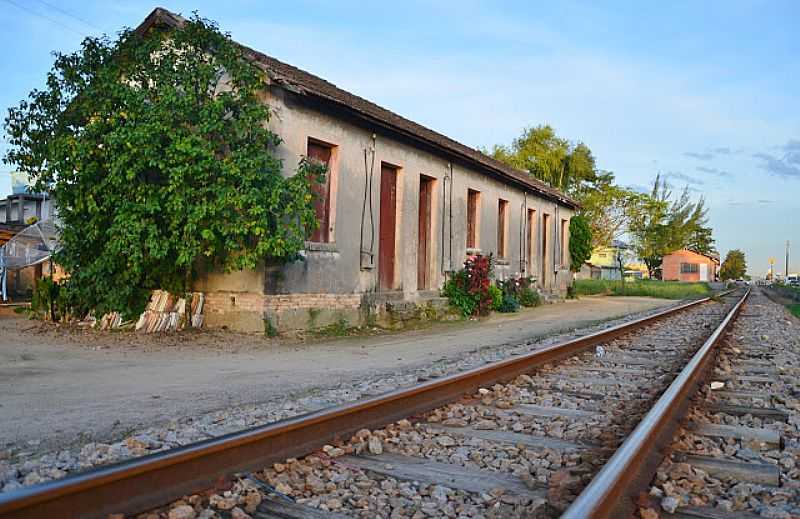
(304, 83)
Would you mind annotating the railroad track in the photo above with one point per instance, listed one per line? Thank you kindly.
(737, 455)
(516, 438)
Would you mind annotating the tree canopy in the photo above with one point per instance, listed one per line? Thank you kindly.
(662, 223)
(657, 222)
(548, 157)
(156, 148)
(734, 266)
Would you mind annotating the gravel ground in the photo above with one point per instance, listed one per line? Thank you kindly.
(329, 481)
(62, 388)
(765, 325)
(22, 466)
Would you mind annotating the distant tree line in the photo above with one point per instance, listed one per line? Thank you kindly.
(655, 223)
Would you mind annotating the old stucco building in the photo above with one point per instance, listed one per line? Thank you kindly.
(402, 207)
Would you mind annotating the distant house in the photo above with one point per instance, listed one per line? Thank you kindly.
(589, 271)
(689, 266)
(636, 270)
(17, 211)
(604, 263)
(20, 208)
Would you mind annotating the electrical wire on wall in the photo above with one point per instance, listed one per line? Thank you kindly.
(447, 213)
(450, 254)
(368, 255)
(444, 209)
(557, 240)
(523, 233)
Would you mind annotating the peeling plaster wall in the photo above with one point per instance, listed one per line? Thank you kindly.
(335, 268)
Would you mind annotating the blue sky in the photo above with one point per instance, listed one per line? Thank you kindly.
(707, 93)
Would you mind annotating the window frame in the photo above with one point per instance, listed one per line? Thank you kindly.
(324, 234)
(473, 218)
(502, 228)
(689, 268)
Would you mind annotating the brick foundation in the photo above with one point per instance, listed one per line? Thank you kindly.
(247, 311)
(277, 303)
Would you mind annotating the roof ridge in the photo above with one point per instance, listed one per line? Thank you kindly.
(314, 85)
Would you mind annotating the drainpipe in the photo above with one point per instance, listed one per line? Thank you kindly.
(523, 234)
(444, 206)
(450, 254)
(367, 256)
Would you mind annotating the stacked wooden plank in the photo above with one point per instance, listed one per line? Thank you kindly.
(109, 321)
(167, 312)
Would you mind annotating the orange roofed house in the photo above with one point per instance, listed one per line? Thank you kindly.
(686, 265)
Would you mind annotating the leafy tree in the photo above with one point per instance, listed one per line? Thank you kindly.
(607, 207)
(156, 148)
(580, 242)
(572, 168)
(548, 157)
(660, 224)
(734, 266)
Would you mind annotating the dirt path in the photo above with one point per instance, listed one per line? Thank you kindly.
(59, 387)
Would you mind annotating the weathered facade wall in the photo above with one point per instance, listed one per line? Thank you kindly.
(333, 277)
(671, 267)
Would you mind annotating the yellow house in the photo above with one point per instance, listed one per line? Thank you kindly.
(637, 270)
(606, 259)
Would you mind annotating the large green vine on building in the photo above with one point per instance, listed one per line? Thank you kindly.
(156, 150)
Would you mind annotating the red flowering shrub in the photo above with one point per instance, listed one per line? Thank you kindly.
(468, 288)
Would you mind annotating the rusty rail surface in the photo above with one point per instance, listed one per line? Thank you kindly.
(150, 481)
(613, 490)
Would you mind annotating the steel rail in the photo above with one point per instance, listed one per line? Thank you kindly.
(612, 491)
(144, 483)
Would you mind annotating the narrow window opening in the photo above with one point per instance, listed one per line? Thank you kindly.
(502, 211)
(322, 204)
(531, 245)
(473, 203)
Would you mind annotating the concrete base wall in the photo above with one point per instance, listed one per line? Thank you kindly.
(251, 312)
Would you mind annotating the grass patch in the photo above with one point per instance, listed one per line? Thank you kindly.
(340, 328)
(794, 308)
(645, 288)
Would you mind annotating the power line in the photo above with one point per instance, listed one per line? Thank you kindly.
(67, 13)
(45, 17)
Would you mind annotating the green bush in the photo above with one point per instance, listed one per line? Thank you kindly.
(456, 292)
(509, 304)
(521, 290)
(571, 292)
(529, 297)
(49, 300)
(497, 297)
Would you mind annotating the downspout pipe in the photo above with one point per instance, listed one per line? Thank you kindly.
(450, 254)
(444, 208)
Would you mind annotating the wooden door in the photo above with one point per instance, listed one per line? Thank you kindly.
(387, 229)
(472, 219)
(530, 252)
(545, 248)
(424, 234)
